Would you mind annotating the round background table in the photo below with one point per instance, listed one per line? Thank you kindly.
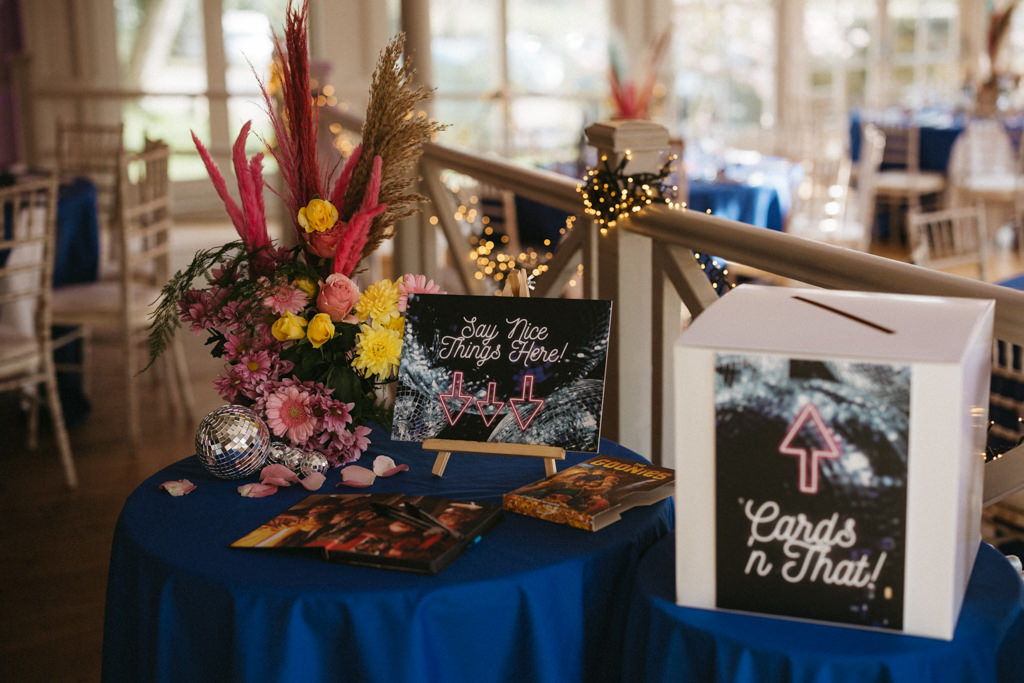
(533, 601)
(668, 642)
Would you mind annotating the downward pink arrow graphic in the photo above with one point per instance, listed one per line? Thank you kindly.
(527, 398)
(455, 393)
(489, 407)
(809, 463)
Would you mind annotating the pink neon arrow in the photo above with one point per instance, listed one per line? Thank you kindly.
(489, 404)
(527, 397)
(455, 394)
(809, 465)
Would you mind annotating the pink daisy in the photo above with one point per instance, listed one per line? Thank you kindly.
(290, 413)
(286, 299)
(337, 415)
(414, 284)
(236, 346)
(255, 368)
(229, 385)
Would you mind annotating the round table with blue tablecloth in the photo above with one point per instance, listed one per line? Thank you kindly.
(668, 642)
(533, 601)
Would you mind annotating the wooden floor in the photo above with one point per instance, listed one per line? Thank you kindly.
(55, 543)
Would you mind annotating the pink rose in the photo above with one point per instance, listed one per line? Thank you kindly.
(325, 244)
(338, 295)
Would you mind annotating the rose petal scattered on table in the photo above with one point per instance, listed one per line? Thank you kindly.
(278, 475)
(384, 466)
(313, 481)
(355, 475)
(254, 490)
(179, 487)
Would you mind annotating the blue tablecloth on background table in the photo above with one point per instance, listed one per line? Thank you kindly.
(937, 138)
(76, 260)
(939, 130)
(533, 601)
(667, 642)
(758, 205)
(78, 236)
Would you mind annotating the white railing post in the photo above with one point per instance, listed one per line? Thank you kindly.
(625, 265)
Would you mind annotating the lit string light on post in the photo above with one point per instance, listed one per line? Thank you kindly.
(610, 195)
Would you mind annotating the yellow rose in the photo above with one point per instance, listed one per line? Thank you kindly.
(318, 215)
(321, 330)
(306, 285)
(289, 326)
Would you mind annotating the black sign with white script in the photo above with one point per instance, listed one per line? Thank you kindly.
(503, 369)
(811, 487)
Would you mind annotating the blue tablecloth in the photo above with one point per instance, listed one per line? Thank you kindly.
(533, 601)
(76, 260)
(938, 133)
(78, 238)
(758, 205)
(667, 642)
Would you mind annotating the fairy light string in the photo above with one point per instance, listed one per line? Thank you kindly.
(611, 195)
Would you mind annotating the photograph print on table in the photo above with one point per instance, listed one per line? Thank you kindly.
(503, 370)
(811, 487)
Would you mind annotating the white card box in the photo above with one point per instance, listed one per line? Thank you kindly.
(831, 447)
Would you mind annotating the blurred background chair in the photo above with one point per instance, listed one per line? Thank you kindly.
(983, 167)
(27, 246)
(122, 304)
(950, 239)
(93, 151)
(836, 205)
(902, 188)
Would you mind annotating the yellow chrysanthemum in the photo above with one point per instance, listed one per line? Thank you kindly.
(378, 351)
(378, 302)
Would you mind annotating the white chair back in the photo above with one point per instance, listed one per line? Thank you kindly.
(28, 220)
(950, 239)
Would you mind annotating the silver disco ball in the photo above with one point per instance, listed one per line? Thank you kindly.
(312, 461)
(281, 453)
(232, 442)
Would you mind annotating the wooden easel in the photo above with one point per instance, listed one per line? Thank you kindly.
(445, 447)
(516, 284)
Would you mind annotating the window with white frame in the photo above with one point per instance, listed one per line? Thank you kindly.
(162, 53)
(723, 62)
(521, 78)
(907, 54)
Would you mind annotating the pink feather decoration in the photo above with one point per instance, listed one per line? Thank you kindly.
(350, 250)
(222, 189)
(250, 189)
(341, 184)
(296, 130)
(373, 187)
(257, 213)
(250, 220)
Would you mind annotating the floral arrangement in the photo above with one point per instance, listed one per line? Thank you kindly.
(302, 344)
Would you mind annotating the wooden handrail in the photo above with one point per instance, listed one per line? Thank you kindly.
(787, 256)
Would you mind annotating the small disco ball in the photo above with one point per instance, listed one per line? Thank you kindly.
(232, 442)
(313, 462)
(285, 454)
